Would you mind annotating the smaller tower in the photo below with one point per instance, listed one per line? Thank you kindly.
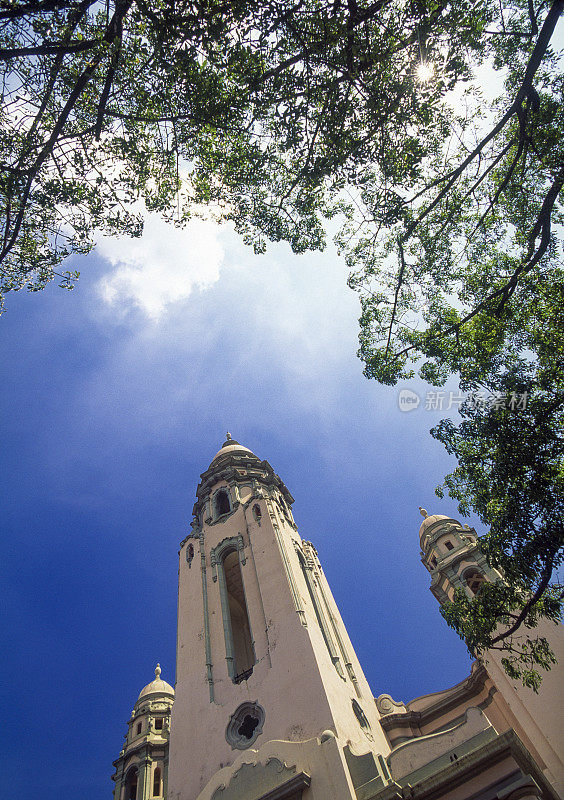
(142, 765)
(451, 552)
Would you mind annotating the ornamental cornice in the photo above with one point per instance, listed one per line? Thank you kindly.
(458, 695)
(447, 566)
(473, 763)
(258, 473)
(443, 527)
(142, 750)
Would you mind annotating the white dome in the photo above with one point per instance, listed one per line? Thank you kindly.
(157, 686)
(428, 521)
(231, 446)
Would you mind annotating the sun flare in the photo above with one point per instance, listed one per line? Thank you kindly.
(425, 71)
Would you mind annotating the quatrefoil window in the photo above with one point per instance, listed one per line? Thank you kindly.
(245, 725)
(247, 729)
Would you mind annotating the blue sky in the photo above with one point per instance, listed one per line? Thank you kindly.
(115, 398)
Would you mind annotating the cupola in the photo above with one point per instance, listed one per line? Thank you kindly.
(451, 552)
(230, 447)
(156, 688)
(234, 474)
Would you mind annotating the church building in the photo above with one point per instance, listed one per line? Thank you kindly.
(271, 702)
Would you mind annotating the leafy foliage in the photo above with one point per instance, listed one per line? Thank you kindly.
(511, 472)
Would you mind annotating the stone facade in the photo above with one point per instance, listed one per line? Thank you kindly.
(271, 702)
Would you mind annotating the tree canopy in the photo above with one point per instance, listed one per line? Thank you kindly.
(268, 110)
(278, 115)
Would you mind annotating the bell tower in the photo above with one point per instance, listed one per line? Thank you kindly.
(270, 696)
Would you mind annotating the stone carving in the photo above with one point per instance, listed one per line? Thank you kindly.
(257, 779)
(387, 705)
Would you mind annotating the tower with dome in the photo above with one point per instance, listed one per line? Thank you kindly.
(141, 769)
(270, 700)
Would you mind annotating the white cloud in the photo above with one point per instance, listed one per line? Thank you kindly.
(161, 268)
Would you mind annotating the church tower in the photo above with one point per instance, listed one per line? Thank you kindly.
(451, 552)
(270, 696)
(142, 766)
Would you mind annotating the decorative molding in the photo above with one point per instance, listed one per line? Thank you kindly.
(387, 705)
(425, 754)
(318, 572)
(290, 789)
(308, 570)
(288, 570)
(207, 640)
(524, 786)
(241, 468)
(217, 553)
(273, 780)
(459, 772)
(258, 584)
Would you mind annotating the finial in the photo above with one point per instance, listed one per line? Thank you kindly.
(157, 672)
(423, 512)
(228, 436)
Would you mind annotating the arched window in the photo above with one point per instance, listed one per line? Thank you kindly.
(157, 783)
(222, 504)
(474, 579)
(257, 513)
(361, 716)
(131, 785)
(138, 730)
(239, 642)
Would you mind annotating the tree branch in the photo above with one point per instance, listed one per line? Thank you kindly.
(533, 64)
(543, 585)
(37, 8)
(48, 48)
(81, 83)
